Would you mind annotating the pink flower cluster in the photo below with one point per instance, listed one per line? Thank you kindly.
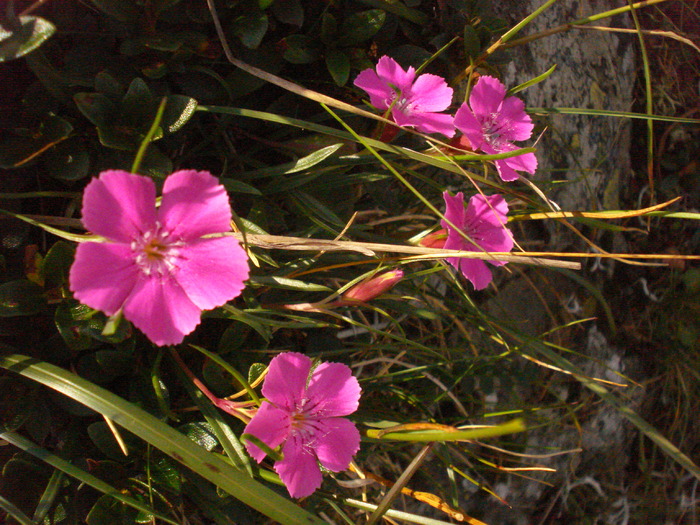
(159, 266)
(483, 224)
(491, 121)
(302, 413)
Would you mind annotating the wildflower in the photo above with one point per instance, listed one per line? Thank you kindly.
(159, 266)
(483, 221)
(413, 101)
(301, 414)
(374, 286)
(492, 122)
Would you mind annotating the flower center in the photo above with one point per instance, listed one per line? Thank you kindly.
(401, 101)
(494, 127)
(156, 252)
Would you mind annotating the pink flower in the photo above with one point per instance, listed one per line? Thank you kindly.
(416, 101)
(483, 221)
(374, 286)
(159, 266)
(493, 122)
(301, 414)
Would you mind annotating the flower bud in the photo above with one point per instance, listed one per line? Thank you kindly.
(434, 240)
(374, 286)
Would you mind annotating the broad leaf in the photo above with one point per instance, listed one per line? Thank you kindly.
(32, 32)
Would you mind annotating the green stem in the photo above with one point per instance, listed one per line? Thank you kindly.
(149, 136)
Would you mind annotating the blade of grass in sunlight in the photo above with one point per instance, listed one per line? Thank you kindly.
(422, 436)
(652, 433)
(210, 466)
(79, 474)
(15, 512)
(617, 114)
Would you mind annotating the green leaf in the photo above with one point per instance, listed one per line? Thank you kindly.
(106, 84)
(201, 433)
(31, 33)
(210, 466)
(284, 283)
(255, 370)
(80, 326)
(329, 29)
(533, 81)
(236, 186)
(359, 27)
(138, 105)
(251, 29)
(16, 402)
(289, 12)
(301, 164)
(56, 264)
(17, 150)
(21, 297)
(178, 111)
(108, 511)
(399, 9)
(472, 43)
(300, 49)
(96, 107)
(67, 161)
(103, 438)
(122, 10)
(165, 472)
(338, 64)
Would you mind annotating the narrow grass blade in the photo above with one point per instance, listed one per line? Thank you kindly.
(212, 467)
(84, 477)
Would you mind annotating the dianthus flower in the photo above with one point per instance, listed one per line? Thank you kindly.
(159, 266)
(301, 413)
(413, 101)
(483, 221)
(492, 122)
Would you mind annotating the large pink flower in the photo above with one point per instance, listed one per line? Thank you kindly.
(301, 413)
(159, 266)
(492, 122)
(483, 221)
(416, 101)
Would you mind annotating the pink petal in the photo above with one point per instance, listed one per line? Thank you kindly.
(271, 426)
(212, 271)
(119, 205)
(194, 204)
(428, 122)
(492, 209)
(285, 382)
(394, 75)
(380, 94)
(337, 441)
(525, 162)
(332, 391)
(299, 469)
(486, 96)
(160, 308)
(519, 123)
(103, 275)
(454, 211)
(467, 123)
(506, 173)
(473, 269)
(431, 94)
